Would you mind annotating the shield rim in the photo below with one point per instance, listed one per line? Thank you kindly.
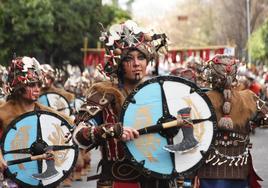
(199, 91)
(38, 113)
(77, 98)
(52, 92)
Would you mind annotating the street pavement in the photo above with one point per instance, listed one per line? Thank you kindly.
(259, 154)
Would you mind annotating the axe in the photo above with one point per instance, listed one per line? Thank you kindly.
(160, 126)
(50, 171)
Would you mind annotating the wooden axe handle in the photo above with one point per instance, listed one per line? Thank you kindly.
(28, 159)
(173, 123)
(157, 127)
(170, 124)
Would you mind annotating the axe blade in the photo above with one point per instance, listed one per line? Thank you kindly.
(49, 173)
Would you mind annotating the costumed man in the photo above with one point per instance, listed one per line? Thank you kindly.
(229, 163)
(48, 86)
(129, 50)
(196, 65)
(23, 86)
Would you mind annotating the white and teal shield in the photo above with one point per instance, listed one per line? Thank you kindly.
(157, 101)
(32, 134)
(56, 101)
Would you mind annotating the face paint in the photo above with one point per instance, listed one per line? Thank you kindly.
(134, 66)
(137, 76)
(32, 91)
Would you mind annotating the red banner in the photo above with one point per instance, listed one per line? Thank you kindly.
(94, 58)
(176, 56)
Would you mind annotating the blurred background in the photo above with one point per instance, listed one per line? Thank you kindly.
(67, 31)
(65, 34)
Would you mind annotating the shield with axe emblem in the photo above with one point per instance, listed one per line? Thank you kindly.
(36, 150)
(168, 147)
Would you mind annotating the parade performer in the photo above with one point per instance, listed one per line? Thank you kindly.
(78, 86)
(187, 73)
(129, 49)
(23, 87)
(229, 163)
(48, 86)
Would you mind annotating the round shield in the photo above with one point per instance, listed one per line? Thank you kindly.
(157, 101)
(31, 135)
(76, 104)
(55, 101)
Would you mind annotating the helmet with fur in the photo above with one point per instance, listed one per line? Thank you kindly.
(222, 71)
(23, 71)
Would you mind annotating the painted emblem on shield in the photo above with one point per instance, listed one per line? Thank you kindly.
(155, 103)
(36, 151)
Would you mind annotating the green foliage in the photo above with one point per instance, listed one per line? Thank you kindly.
(52, 30)
(25, 27)
(258, 43)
